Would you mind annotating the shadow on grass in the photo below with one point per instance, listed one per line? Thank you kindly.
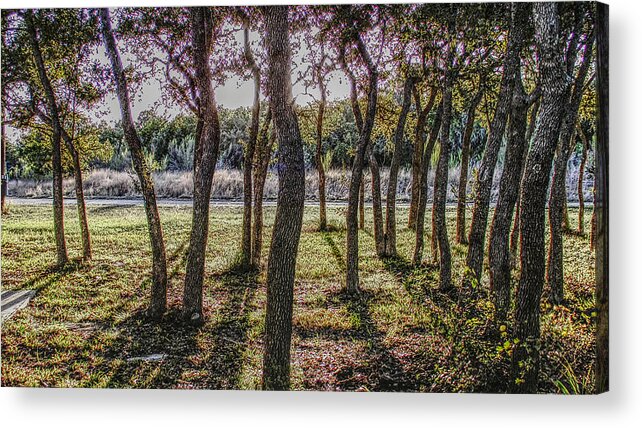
(52, 274)
(378, 369)
(206, 357)
(419, 281)
(334, 250)
(108, 208)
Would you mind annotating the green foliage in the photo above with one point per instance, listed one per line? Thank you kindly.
(30, 155)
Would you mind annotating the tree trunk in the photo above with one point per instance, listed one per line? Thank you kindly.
(358, 120)
(461, 237)
(289, 209)
(3, 154)
(362, 204)
(205, 156)
(555, 93)
(80, 198)
(602, 202)
(420, 145)
(580, 183)
(158, 301)
(390, 236)
(441, 188)
(477, 236)
(377, 211)
(365, 126)
(423, 190)
(246, 240)
(499, 250)
(593, 220)
(557, 201)
(434, 244)
(58, 204)
(262, 160)
(323, 223)
(514, 237)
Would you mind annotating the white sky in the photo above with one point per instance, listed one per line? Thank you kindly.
(235, 92)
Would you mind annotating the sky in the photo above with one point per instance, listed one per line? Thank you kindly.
(235, 92)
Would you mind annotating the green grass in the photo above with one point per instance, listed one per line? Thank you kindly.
(400, 335)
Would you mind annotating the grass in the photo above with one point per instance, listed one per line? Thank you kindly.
(401, 334)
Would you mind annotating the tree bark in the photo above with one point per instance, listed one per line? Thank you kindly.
(58, 205)
(499, 250)
(417, 154)
(158, 301)
(377, 211)
(514, 236)
(441, 187)
(365, 128)
(246, 240)
(423, 190)
(580, 182)
(3, 154)
(461, 237)
(323, 222)
(390, 236)
(555, 93)
(80, 197)
(262, 161)
(477, 236)
(205, 156)
(78, 186)
(362, 204)
(602, 202)
(289, 209)
(557, 201)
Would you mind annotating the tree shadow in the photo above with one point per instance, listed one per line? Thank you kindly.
(186, 357)
(334, 250)
(108, 208)
(52, 274)
(380, 370)
(420, 282)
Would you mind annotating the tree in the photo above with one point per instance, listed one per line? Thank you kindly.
(369, 157)
(290, 200)
(477, 235)
(186, 38)
(390, 237)
(348, 16)
(205, 156)
(441, 178)
(423, 190)
(319, 72)
(514, 236)
(58, 204)
(602, 201)
(498, 248)
(460, 227)
(246, 240)
(418, 151)
(555, 93)
(158, 301)
(262, 157)
(3, 149)
(557, 200)
(64, 57)
(586, 145)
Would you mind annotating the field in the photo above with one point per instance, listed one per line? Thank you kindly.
(401, 334)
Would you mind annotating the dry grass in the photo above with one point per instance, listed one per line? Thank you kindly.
(228, 184)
